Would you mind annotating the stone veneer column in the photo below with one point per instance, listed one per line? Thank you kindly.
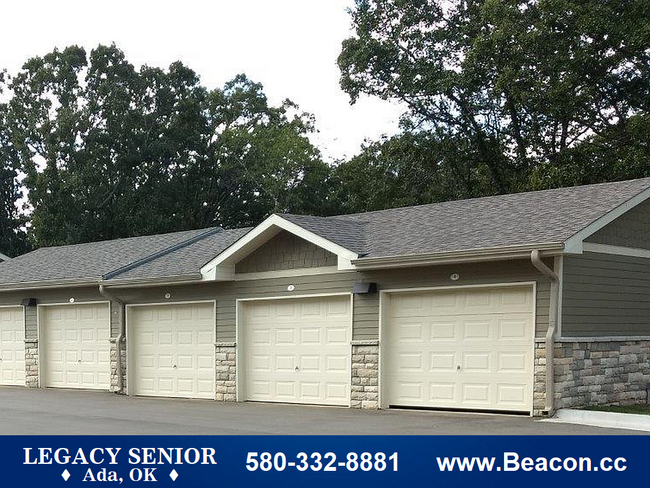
(31, 364)
(539, 381)
(365, 375)
(114, 373)
(226, 366)
(31, 348)
(117, 317)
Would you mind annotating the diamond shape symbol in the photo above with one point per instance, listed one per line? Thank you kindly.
(65, 475)
(173, 475)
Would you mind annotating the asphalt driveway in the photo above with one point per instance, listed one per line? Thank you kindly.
(50, 411)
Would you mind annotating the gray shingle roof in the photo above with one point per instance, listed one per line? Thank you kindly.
(347, 233)
(543, 217)
(88, 261)
(185, 261)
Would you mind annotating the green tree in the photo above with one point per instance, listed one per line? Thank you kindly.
(13, 239)
(113, 151)
(531, 90)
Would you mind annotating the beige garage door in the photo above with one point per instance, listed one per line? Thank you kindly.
(74, 346)
(12, 346)
(467, 348)
(297, 350)
(171, 350)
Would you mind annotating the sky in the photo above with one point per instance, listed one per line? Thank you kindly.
(290, 46)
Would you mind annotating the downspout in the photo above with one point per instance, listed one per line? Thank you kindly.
(120, 336)
(550, 332)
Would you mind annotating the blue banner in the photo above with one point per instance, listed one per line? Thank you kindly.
(188, 461)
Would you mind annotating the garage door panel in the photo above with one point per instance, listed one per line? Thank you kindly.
(473, 362)
(473, 393)
(75, 344)
(445, 392)
(338, 335)
(466, 348)
(513, 361)
(310, 336)
(297, 350)
(514, 329)
(12, 346)
(310, 390)
(513, 394)
(173, 350)
(441, 361)
(476, 329)
(442, 330)
(337, 391)
(337, 364)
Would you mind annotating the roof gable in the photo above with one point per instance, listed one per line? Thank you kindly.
(285, 251)
(222, 267)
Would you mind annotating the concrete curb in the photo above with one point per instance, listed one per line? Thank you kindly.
(602, 419)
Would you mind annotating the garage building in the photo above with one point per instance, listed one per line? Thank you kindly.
(520, 303)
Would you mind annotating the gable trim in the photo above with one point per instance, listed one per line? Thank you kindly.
(222, 267)
(574, 244)
(616, 250)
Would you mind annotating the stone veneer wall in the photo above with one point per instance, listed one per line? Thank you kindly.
(116, 311)
(595, 373)
(31, 348)
(114, 376)
(31, 364)
(365, 375)
(226, 364)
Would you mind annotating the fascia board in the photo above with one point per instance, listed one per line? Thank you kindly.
(470, 255)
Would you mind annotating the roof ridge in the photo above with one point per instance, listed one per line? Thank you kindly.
(329, 218)
(158, 254)
(487, 197)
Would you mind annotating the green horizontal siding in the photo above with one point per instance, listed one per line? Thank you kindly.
(365, 307)
(605, 295)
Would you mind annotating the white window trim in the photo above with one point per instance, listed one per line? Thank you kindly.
(222, 267)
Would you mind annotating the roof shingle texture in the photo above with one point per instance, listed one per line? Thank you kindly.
(543, 217)
(187, 260)
(88, 261)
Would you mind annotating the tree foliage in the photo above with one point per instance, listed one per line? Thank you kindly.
(530, 94)
(112, 151)
(12, 234)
